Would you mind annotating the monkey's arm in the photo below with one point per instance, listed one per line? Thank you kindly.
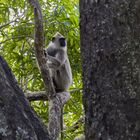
(57, 61)
(50, 51)
(53, 62)
(50, 57)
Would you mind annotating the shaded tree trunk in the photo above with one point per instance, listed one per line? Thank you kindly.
(17, 120)
(110, 47)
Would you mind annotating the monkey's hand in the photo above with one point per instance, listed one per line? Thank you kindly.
(53, 63)
(52, 66)
(46, 54)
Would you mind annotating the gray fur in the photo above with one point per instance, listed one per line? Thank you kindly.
(59, 64)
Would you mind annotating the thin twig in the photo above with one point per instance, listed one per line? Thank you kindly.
(2, 26)
(16, 37)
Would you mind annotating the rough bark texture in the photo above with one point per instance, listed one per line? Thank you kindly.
(34, 96)
(110, 47)
(17, 120)
(55, 114)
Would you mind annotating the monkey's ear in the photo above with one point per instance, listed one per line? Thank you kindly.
(53, 39)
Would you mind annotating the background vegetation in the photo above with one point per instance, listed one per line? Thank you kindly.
(16, 45)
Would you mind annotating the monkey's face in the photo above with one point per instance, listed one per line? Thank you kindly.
(58, 41)
(62, 42)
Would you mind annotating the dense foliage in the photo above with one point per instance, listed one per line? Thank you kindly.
(16, 45)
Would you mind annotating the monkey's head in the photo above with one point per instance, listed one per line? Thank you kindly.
(58, 41)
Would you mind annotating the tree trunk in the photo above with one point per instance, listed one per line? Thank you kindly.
(17, 120)
(110, 47)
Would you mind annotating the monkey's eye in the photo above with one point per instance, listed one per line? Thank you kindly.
(53, 39)
(62, 42)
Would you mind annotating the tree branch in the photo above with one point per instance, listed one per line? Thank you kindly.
(39, 43)
(41, 95)
(2, 26)
(34, 96)
(16, 37)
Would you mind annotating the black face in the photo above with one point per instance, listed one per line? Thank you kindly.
(62, 42)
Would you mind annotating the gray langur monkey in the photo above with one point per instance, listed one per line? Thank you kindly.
(58, 62)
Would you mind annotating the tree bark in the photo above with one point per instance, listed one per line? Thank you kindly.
(41, 95)
(110, 47)
(17, 120)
